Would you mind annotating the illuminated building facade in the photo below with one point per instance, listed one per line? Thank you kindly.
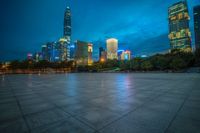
(90, 50)
(45, 53)
(102, 54)
(64, 49)
(72, 52)
(67, 31)
(67, 23)
(101, 49)
(37, 56)
(126, 55)
(196, 12)
(83, 53)
(29, 56)
(112, 47)
(179, 33)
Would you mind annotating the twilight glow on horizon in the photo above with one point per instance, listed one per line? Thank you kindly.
(141, 26)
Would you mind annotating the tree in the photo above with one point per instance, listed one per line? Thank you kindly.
(42, 64)
(160, 62)
(136, 63)
(124, 65)
(15, 64)
(146, 65)
(197, 57)
(177, 64)
(1, 64)
(26, 64)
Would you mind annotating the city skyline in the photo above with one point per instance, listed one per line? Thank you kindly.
(126, 28)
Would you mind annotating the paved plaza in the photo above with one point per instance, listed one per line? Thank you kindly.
(100, 103)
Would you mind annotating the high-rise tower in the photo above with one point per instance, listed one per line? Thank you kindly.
(179, 32)
(67, 24)
(197, 26)
(67, 32)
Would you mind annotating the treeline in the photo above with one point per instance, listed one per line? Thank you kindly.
(43, 64)
(174, 61)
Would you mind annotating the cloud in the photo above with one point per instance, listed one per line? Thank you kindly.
(152, 45)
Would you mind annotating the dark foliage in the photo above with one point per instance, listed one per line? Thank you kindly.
(175, 61)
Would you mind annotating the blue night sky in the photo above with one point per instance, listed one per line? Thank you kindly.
(139, 25)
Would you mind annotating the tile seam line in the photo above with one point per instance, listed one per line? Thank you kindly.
(175, 116)
(131, 111)
(95, 130)
(18, 104)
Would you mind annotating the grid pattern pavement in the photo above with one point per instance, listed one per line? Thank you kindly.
(100, 103)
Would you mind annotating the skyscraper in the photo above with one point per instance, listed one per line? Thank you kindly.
(179, 33)
(102, 54)
(45, 53)
(67, 24)
(64, 49)
(196, 12)
(67, 30)
(83, 53)
(100, 51)
(112, 47)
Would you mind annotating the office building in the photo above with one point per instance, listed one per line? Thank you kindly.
(72, 52)
(196, 12)
(38, 56)
(102, 54)
(126, 55)
(112, 47)
(29, 56)
(83, 53)
(101, 49)
(64, 49)
(90, 50)
(179, 32)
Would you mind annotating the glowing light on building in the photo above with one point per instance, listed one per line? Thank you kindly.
(144, 56)
(112, 47)
(72, 46)
(120, 51)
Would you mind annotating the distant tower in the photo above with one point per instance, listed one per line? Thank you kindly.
(179, 32)
(112, 47)
(67, 32)
(197, 26)
(67, 24)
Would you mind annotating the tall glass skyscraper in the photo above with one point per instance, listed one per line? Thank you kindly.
(67, 30)
(196, 12)
(67, 23)
(179, 32)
